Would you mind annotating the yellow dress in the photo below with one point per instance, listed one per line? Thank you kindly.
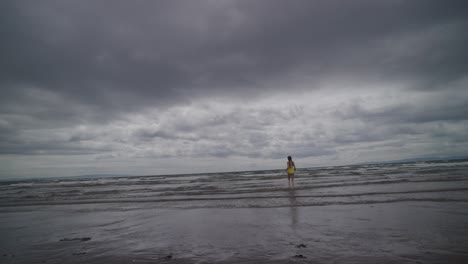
(290, 167)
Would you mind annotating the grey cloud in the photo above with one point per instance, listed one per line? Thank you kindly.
(305, 150)
(23, 141)
(85, 136)
(218, 150)
(146, 135)
(50, 147)
(454, 109)
(122, 69)
(126, 55)
(399, 134)
(371, 133)
(259, 140)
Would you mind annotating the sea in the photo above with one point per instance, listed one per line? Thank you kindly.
(414, 212)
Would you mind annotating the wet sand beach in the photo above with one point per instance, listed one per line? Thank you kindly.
(413, 213)
(375, 233)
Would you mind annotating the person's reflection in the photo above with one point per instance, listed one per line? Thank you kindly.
(292, 203)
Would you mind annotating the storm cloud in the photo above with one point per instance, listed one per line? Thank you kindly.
(106, 86)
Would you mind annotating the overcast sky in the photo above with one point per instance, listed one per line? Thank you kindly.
(181, 86)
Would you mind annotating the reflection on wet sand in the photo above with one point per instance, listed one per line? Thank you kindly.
(292, 203)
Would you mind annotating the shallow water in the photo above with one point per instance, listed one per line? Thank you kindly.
(392, 213)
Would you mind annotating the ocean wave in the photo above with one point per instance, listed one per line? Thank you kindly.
(166, 204)
(325, 185)
(385, 196)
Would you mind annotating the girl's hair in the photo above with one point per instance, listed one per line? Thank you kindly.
(289, 158)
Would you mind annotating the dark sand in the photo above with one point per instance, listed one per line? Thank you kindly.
(402, 232)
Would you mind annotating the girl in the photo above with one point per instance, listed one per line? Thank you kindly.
(291, 168)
